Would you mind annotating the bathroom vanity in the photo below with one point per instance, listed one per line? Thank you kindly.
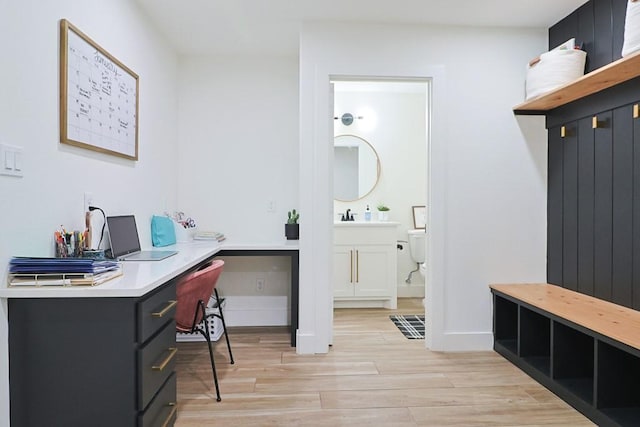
(365, 264)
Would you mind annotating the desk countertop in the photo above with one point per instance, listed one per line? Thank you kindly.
(140, 277)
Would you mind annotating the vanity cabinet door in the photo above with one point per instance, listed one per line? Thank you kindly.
(373, 271)
(343, 271)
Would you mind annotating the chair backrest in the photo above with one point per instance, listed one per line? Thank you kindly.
(194, 287)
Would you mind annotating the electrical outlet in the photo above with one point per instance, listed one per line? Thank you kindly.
(259, 285)
(88, 200)
(271, 206)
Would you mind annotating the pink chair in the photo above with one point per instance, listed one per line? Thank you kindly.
(193, 292)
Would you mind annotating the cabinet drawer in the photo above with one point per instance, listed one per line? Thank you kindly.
(163, 409)
(156, 361)
(155, 311)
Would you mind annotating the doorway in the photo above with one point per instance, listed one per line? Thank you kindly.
(390, 117)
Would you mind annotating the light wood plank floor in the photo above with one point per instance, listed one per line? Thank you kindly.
(372, 376)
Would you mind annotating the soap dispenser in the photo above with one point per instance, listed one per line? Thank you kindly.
(367, 214)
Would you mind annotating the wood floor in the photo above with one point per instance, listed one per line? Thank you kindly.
(372, 376)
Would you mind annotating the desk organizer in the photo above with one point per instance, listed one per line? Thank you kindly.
(61, 279)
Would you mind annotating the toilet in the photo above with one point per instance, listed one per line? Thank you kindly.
(423, 270)
(417, 249)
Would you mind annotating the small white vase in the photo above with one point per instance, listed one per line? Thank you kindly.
(383, 215)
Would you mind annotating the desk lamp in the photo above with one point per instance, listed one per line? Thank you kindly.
(104, 222)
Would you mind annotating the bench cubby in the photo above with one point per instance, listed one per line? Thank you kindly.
(585, 350)
(506, 324)
(535, 340)
(619, 384)
(573, 361)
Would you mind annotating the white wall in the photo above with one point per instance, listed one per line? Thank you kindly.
(394, 123)
(238, 120)
(55, 175)
(487, 194)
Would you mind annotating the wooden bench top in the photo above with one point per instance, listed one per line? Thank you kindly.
(617, 322)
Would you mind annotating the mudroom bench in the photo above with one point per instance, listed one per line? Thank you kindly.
(585, 350)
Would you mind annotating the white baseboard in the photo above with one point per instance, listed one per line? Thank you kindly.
(411, 291)
(306, 343)
(257, 311)
(468, 341)
(360, 303)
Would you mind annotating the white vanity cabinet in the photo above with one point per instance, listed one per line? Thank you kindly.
(365, 264)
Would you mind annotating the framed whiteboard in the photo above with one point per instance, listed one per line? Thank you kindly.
(98, 97)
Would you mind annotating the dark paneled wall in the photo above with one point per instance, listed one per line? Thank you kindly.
(593, 232)
(598, 26)
(594, 206)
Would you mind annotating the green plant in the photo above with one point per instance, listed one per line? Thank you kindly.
(382, 207)
(293, 217)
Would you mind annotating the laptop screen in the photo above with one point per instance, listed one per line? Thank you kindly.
(123, 235)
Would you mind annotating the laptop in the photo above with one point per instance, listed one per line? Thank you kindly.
(125, 242)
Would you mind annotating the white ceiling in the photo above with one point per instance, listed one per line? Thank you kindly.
(271, 27)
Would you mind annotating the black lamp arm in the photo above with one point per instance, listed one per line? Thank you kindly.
(104, 222)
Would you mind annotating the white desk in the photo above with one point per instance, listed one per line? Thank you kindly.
(90, 345)
(139, 277)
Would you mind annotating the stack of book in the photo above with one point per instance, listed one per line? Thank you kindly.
(26, 271)
(209, 235)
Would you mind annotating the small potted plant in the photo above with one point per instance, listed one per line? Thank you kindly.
(383, 212)
(292, 228)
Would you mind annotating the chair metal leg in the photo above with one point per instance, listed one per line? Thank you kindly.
(205, 332)
(224, 325)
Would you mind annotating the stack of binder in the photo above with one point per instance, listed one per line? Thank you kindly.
(25, 271)
(210, 235)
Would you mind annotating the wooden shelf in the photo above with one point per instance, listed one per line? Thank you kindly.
(605, 77)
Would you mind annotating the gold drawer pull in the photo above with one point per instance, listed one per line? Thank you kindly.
(636, 113)
(164, 311)
(165, 362)
(563, 132)
(174, 409)
(351, 272)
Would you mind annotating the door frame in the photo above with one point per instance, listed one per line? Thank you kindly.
(316, 200)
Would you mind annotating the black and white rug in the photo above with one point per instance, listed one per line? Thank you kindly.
(411, 325)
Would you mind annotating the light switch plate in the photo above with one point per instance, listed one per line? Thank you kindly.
(11, 160)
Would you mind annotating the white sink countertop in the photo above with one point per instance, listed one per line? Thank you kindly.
(366, 224)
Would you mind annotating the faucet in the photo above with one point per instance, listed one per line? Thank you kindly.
(347, 216)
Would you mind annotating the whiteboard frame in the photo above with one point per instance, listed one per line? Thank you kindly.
(65, 27)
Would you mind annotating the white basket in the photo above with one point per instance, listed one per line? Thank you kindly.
(631, 29)
(555, 68)
(213, 323)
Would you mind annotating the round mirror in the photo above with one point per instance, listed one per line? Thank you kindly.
(356, 168)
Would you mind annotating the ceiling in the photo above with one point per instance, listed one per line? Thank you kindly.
(271, 27)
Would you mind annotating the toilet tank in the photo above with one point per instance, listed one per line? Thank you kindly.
(417, 245)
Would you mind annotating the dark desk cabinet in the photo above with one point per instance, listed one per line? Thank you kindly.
(93, 361)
